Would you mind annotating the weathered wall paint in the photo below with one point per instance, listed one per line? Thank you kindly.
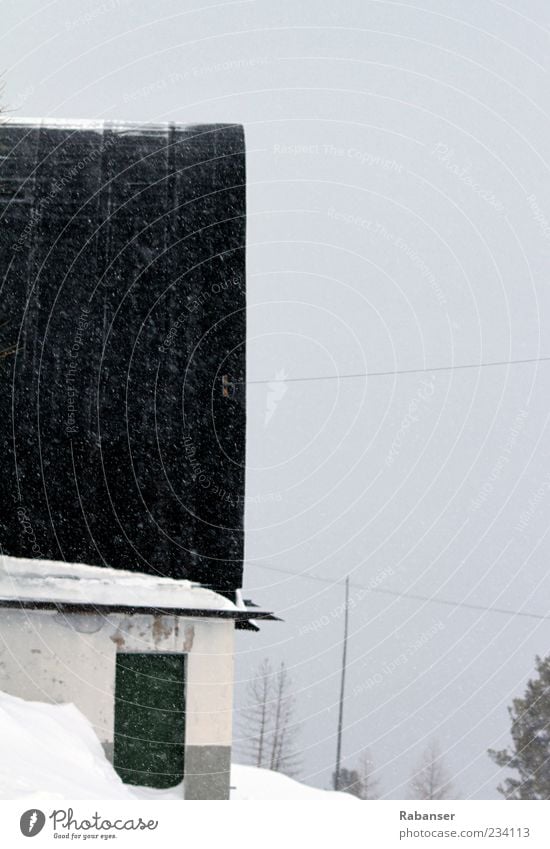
(38, 662)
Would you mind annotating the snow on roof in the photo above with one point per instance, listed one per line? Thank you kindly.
(99, 125)
(23, 579)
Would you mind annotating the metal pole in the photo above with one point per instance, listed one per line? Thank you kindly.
(342, 691)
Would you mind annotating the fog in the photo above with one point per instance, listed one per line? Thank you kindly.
(398, 223)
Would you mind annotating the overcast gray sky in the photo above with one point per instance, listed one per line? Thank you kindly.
(399, 218)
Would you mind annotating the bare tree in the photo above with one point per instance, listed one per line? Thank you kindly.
(257, 714)
(284, 757)
(430, 780)
(369, 784)
(359, 782)
(269, 726)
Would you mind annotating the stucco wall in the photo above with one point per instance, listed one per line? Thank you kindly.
(53, 657)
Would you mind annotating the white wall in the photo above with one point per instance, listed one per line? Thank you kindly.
(53, 657)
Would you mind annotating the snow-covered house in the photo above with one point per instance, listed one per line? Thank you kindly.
(149, 661)
(122, 433)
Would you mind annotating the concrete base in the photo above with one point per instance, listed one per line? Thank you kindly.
(207, 772)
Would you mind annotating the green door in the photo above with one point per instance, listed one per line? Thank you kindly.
(150, 718)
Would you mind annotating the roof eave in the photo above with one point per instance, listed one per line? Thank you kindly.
(91, 608)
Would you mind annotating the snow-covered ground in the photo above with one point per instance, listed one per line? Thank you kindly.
(252, 783)
(51, 752)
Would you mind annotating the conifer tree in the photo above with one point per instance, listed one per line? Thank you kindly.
(530, 731)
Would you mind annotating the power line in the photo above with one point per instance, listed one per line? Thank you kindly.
(414, 596)
(426, 370)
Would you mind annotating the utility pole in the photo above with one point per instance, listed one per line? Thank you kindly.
(342, 691)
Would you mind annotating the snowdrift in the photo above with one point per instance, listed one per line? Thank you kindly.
(52, 752)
